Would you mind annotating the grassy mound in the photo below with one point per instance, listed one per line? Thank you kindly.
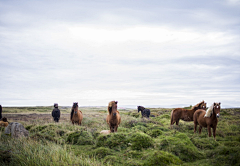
(162, 158)
(181, 146)
(116, 140)
(80, 138)
(139, 141)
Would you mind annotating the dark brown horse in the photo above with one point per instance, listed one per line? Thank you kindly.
(185, 114)
(145, 112)
(113, 117)
(207, 119)
(76, 115)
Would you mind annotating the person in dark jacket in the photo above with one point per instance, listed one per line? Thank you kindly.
(56, 113)
(0, 112)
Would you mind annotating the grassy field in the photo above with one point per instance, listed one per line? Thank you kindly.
(137, 142)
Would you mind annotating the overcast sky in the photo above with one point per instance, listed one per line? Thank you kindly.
(138, 52)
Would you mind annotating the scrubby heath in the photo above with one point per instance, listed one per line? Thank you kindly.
(138, 141)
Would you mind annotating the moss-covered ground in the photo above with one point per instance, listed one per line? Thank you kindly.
(138, 141)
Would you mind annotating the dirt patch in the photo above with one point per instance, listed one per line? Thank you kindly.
(34, 117)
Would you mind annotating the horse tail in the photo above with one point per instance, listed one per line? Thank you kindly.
(171, 117)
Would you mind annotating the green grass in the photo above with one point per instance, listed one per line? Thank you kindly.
(138, 141)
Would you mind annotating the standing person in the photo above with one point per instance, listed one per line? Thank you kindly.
(0, 112)
(56, 113)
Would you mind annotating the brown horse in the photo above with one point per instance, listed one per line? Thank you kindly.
(207, 119)
(185, 114)
(76, 115)
(113, 117)
(4, 122)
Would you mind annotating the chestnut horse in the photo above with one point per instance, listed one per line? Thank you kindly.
(185, 114)
(4, 122)
(113, 117)
(207, 119)
(76, 115)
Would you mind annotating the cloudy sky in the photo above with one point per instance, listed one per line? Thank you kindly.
(138, 52)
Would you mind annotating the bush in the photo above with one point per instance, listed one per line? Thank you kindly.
(139, 128)
(225, 156)
(101, 152)
(101, 140)
(112, 140)
(140, 140)
(80, 138)
(134, 114)
(112, 160)
(162, 158)
(134, 154)
(181, 146)
(154, 132)
(205, 143)
(117, 140)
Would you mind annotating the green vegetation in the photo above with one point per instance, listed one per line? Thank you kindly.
(138, 142)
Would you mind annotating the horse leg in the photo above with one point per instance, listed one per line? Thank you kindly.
(195, 127)
(111, 129)
(214, 132)
(177, 121)
(209, 131)
(200, 129)
(172, 121)
(115, 128)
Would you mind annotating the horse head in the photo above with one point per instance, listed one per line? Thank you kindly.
(216, 108)
(75, 107)
(203, 105)
(4, 119)
(140, 108)
(112, 108)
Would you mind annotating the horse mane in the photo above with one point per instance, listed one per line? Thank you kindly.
(4, 119)
(209, 111)
(73, 111)
(110, 104)
(197, 105)
(141, 108)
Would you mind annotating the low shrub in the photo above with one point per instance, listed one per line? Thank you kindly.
(112, 160)
(205, 143)
(80, 138)
(139, 128)
(101, 140)
(117, 140)
(181, 146)
(101, 152)
(140, 140)
(225, 156)
(154, 132)
(161, 158)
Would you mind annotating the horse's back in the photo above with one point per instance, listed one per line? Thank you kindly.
(199, 115)
(146, 113)
(3, 124)
(177, 112)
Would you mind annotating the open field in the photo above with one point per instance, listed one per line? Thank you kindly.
(138, 141)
